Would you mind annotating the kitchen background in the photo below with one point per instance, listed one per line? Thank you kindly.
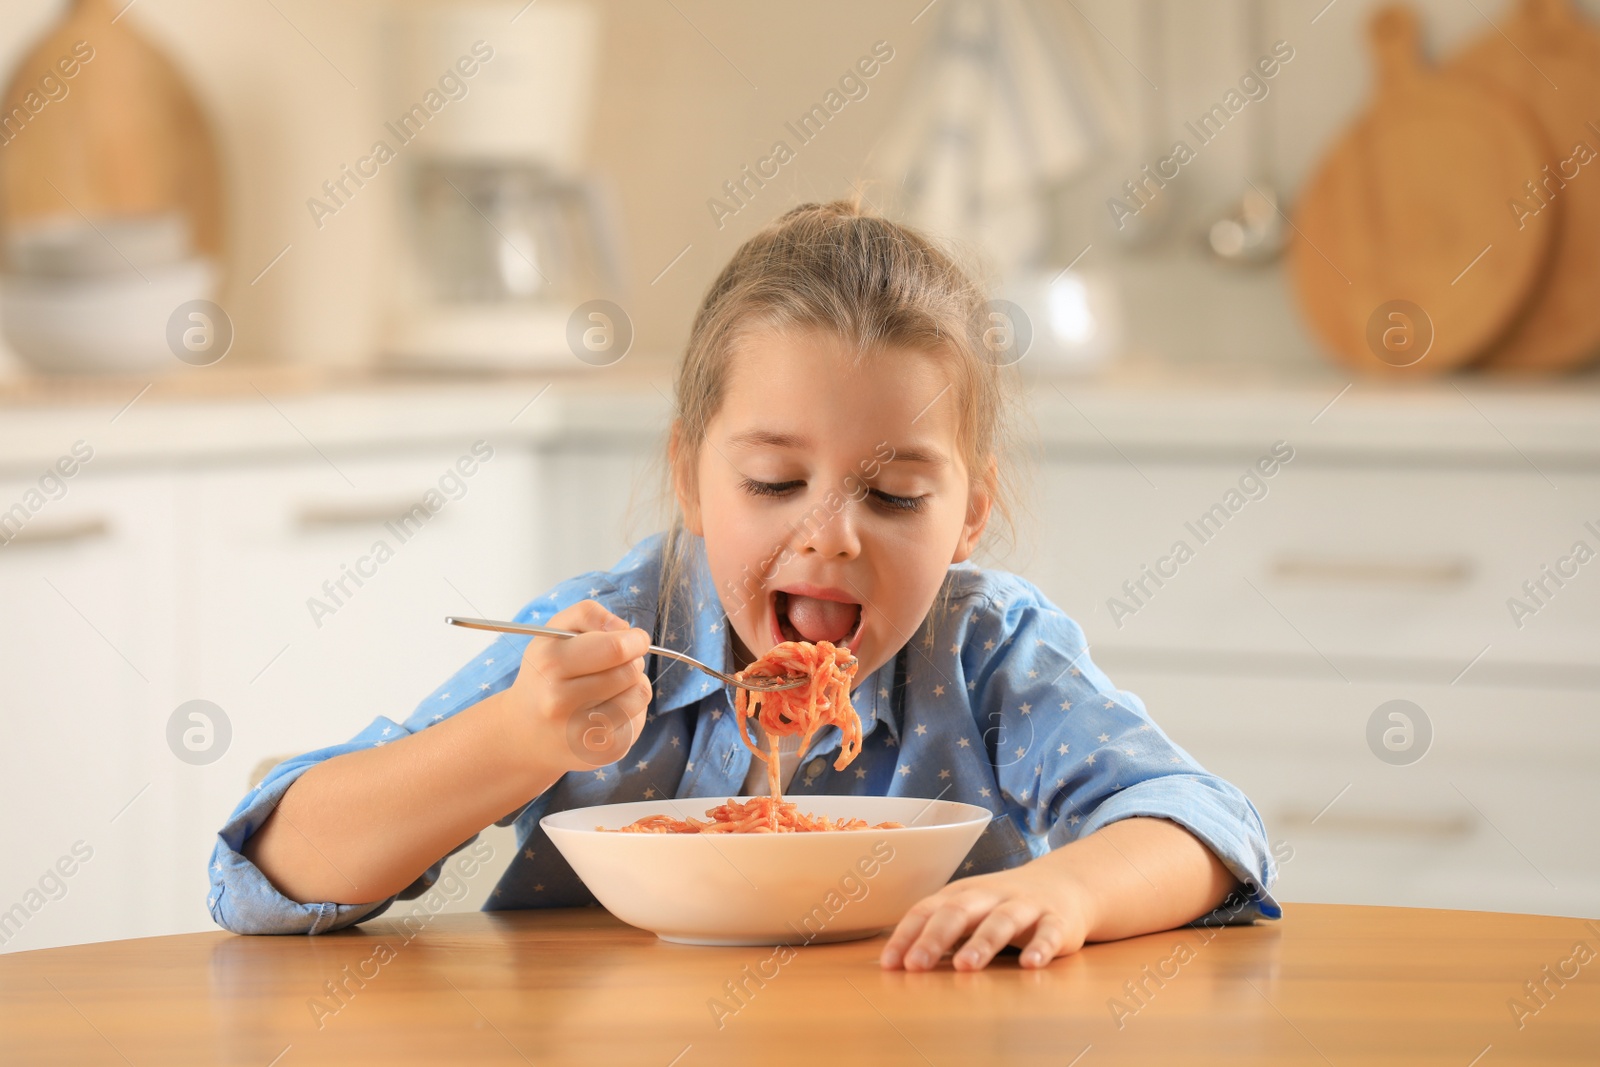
(1348, 647)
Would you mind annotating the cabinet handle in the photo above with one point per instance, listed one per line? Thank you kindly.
(1329, 570)
(61, 533)
(314, 517)
(1455, 825)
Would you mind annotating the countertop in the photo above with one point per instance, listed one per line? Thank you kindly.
(205, 415)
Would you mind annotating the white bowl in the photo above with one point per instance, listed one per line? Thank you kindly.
(111, 325)
(768, 889)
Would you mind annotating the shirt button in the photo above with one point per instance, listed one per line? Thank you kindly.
(814, 768)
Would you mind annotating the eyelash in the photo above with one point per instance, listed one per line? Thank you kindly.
(779, 489)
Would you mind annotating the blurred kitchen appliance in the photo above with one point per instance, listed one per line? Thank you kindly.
(1008, 104)
(110, 199)
(507, 235)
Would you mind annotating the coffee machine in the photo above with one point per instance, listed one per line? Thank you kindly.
(504, 232)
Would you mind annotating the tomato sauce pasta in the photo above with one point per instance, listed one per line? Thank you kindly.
(823, 701)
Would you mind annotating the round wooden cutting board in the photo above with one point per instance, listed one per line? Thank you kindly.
(120, 136)
(1406, 259)
(1548, 57)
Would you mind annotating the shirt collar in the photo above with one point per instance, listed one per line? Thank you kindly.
(707, 639)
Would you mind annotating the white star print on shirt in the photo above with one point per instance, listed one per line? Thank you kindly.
(944, 773)
(905, 769)
(921, 729)
(1026, 709)
(1063, 749)
(1021, 752)
(600, 773)
(674, 741)
(861, 772)
(962, 742)
(938, 690)
(1066, 705)
(1103, 738)
(983, 791)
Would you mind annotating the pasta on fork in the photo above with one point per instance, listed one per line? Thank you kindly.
(823, 701)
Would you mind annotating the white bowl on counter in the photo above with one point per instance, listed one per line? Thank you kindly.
(113, 324)
(768, 889)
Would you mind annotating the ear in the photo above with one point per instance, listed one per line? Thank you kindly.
(683, 481)
(980, 502)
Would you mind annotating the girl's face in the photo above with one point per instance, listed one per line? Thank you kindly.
(832, 495)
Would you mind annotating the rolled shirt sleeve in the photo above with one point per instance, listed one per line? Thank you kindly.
(1073, 753)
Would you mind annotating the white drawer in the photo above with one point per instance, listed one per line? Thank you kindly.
(1333, 566)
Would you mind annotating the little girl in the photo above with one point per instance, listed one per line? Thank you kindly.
(836, 460)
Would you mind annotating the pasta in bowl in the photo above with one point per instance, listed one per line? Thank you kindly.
(768, 888)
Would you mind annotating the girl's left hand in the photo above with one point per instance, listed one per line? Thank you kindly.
(1032, 907)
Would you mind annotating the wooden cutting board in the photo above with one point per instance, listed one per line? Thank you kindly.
(122, 136)
(1410, 206)
(1548, 57)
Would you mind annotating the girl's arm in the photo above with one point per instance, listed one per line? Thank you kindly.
(365, 825)
(1134, 876)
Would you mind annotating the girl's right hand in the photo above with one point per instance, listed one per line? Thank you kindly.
(582, 700)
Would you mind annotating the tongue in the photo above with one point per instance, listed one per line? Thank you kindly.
(821, 620)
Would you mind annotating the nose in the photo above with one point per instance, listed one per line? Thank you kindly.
(829, 532)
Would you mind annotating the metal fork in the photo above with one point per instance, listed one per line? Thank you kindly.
(759, 684)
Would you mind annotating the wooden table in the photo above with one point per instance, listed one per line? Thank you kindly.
(1327, 985)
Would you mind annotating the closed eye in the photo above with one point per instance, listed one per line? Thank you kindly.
(755, 488)
(898, 503)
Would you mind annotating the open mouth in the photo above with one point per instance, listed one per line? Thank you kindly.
(809, 618)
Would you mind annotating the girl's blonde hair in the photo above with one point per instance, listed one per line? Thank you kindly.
(877, 285)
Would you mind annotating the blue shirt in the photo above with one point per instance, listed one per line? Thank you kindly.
(993, 702)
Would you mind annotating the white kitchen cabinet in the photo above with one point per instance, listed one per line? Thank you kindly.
(1494, 816)
(200, 577)
(87, 640)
